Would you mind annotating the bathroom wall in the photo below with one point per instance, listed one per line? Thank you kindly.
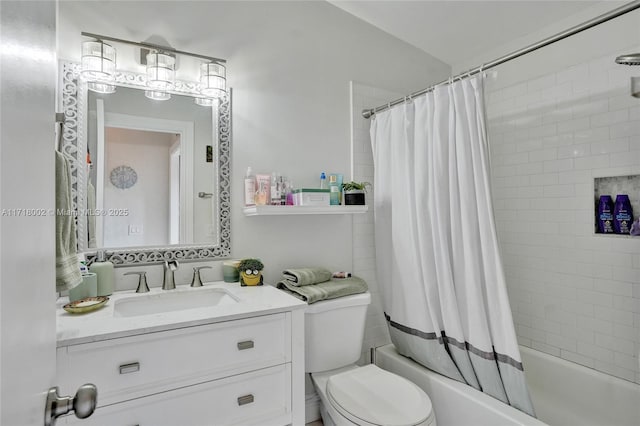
(557, 119)
(290, 64)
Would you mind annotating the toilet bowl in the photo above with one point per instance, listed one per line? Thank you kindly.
(352, 395)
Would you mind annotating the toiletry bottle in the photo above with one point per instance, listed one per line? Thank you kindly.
(289, 197)
(275, 189)
(323, 181)
(335, 188)
(605, 215)
(282, 190)
(106, 277)
(263, 190)
(622, 215)
(249, 188)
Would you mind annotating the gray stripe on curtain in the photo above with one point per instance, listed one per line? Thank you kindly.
(451, 341)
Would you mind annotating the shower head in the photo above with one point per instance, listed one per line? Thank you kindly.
(629, 59)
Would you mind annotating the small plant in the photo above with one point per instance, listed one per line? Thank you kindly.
(355, 186)
(252, 264)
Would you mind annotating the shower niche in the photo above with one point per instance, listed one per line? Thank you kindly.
(617, 204)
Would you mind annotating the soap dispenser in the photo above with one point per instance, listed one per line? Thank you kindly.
(104, 270)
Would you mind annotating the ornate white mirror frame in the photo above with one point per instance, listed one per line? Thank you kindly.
(73, 99)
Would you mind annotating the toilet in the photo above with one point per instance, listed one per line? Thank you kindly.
(352, 395)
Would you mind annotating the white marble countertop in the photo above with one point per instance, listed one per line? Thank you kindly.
(102, 324)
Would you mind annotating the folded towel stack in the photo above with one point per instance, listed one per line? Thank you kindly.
(315, 284)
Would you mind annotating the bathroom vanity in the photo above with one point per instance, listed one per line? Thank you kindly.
(221, 354)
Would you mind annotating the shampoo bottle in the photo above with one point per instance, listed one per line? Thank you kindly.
(605, 215)
(249, 188)
(105, 274)
(622, 215)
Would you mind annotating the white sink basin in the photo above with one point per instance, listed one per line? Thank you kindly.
(172, 300)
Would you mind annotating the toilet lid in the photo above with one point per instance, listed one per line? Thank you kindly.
(371, 395)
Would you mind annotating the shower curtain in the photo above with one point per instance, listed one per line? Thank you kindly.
(437, 254)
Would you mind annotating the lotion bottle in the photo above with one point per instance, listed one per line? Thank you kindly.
(105, 274)
(249, 188)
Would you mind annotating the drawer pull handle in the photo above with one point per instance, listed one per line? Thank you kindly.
(247, 344)
(129, 368)
(247, 399)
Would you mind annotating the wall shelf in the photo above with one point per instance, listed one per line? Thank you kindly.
(300, 210)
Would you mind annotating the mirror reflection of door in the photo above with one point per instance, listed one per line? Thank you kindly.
(139, 176)
(142, 193)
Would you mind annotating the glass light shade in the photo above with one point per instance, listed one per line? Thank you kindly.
(100, 87)
(161, 73)
(157, 95)
(98, 61)
(205, 102)
(635, 87)
(213, 81)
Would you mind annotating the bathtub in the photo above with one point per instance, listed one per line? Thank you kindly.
(563, 393)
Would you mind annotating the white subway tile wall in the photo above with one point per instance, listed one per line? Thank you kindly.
(574, 294)
(364, 253)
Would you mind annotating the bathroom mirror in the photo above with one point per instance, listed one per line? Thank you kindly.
(150, 178)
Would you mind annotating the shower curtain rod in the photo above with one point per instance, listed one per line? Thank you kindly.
(367, 113)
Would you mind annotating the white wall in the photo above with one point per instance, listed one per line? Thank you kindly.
(558, 118)
(147, 201)
(289, 64)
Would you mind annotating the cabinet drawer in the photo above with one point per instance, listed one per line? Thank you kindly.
(258, 398)
(137, 366)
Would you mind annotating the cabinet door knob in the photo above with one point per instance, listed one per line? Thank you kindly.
(246, 399)
(129, 368)
(247, 344)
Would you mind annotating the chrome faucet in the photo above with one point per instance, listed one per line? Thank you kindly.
(197, 280)
(169, 282)
(142, 281)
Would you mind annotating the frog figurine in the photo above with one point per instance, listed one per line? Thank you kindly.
(250, 272)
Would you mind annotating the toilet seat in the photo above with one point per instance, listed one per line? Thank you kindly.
(371, 396)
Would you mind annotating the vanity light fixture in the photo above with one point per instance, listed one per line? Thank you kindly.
(213, 80)
(157, 95)
(100, 87)
(98, 68)
(98, 65)
(205, 102)
(161, 72)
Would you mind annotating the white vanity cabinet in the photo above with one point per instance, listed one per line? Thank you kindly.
(247, 370)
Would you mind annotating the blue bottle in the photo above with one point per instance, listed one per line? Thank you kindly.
(605, 215)
(623, 215)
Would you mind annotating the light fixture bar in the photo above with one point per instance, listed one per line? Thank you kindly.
(154, 47)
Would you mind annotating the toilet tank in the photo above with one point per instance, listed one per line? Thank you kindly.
(334, 330)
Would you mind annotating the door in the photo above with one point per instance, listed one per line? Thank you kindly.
(27, 222)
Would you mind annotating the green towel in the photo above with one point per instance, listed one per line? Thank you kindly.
(306, 276)
(327, 290)
(67, 268)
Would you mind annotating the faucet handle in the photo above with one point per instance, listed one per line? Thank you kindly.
(197, 281)
(142, 281)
